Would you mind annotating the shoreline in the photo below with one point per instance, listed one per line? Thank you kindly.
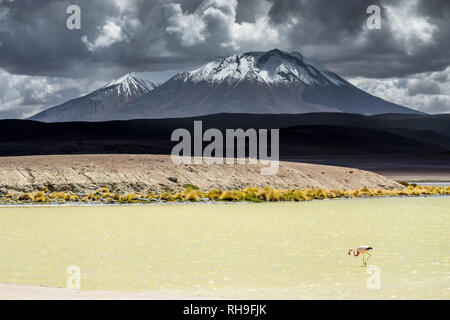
(202, 203)
(192, 194)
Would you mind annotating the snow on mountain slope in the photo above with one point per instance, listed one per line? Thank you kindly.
(271, 67)
(130, 86)
(257, 82)
(98, 104)
(254, 82)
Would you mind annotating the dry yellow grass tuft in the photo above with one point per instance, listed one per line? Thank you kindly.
(250, 194)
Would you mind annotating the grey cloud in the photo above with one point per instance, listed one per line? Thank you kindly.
(330, 31)
(435, 8)
(158, 35)
(38, 42)
(438, 104)
(326, 19)
(248, 10)
(55, 98)
(22, 95)
(18, 112)
(441, 77)
(402, 83)
(335, 33)
(420, 92)
(420, 87)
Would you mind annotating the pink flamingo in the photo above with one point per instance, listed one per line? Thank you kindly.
(361, 250)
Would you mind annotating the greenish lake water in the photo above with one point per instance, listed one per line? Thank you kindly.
(265, 250)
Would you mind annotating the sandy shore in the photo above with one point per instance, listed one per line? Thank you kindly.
(157, 173)
(24, 292)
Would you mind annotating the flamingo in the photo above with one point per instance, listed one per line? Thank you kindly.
(361, 250)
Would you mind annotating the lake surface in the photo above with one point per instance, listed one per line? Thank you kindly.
(434, 184)
(267, 250)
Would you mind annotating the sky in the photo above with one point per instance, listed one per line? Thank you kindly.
(43, 63)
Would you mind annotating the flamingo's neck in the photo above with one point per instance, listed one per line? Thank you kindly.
(355, 252)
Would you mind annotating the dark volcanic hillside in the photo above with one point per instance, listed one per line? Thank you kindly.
(300, 135)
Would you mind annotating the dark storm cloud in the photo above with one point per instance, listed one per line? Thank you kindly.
(335, 33)
(118, 36)
(35, 40)
(325, 19)
(435, 8)
(158, 35)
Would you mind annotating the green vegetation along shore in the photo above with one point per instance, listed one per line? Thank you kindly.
(193, 194)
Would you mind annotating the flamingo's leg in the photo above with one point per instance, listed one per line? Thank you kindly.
(364, 261)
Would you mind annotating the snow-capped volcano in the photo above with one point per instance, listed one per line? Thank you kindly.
(100, 103)
(272, 67)
(255, 82)
(130, 86)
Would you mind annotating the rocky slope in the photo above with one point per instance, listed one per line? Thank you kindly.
(157, 173)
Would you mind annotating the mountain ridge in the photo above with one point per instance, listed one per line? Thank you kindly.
(103, 100)
(269, 67)
(300, 135)
(254, 82)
